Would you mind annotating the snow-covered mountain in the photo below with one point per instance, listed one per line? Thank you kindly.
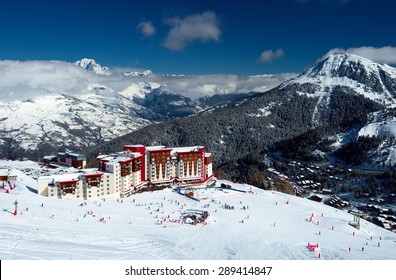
(341, 84)
(60, 120)
(138, 74)
(91, 65)
(356, 93)
(257, 225)
(374, 81)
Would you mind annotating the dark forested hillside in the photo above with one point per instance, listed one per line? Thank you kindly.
(230, 133)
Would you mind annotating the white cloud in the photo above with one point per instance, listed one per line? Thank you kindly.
(201, 27)
(24, 80)
(269, 56)
(208, 85)
(380, 55)
(30, 79)
(146, 28)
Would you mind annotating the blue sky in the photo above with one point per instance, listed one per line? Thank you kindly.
(198, 37)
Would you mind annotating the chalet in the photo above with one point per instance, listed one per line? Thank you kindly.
(337, 202)
(327, 191)
(7, 175)
(7, 180)
(70, 159)
(316, 197)
(48, 160)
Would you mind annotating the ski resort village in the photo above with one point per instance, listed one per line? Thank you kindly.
(165, 203)
(120, 174)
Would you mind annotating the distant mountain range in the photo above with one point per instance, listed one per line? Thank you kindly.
(48, 106)
(333, 102)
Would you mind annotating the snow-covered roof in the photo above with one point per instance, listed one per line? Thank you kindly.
(175, 150)
(102, 156)
(153, 148)
(4, 172)
(60, 177)
(134, 146)
(91, 171)
(113, 162)
(119, 159)
(49, 157)
(187, 149)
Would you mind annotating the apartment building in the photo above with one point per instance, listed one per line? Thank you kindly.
(137, 166)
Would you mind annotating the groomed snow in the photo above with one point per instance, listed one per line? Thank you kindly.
(271, 227)
(380, 129)
(382, 126)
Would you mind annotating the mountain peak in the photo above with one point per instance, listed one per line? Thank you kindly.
(138, 73)
(341, 65)
(90, 65)
(365, 77)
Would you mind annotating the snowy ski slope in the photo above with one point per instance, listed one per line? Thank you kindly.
(274, 226)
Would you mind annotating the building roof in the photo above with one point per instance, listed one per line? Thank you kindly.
(154, 148)
(60, 177)
(71, 154)
(49, 157)
(134, 146)
(4, 172)
(178, 150)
